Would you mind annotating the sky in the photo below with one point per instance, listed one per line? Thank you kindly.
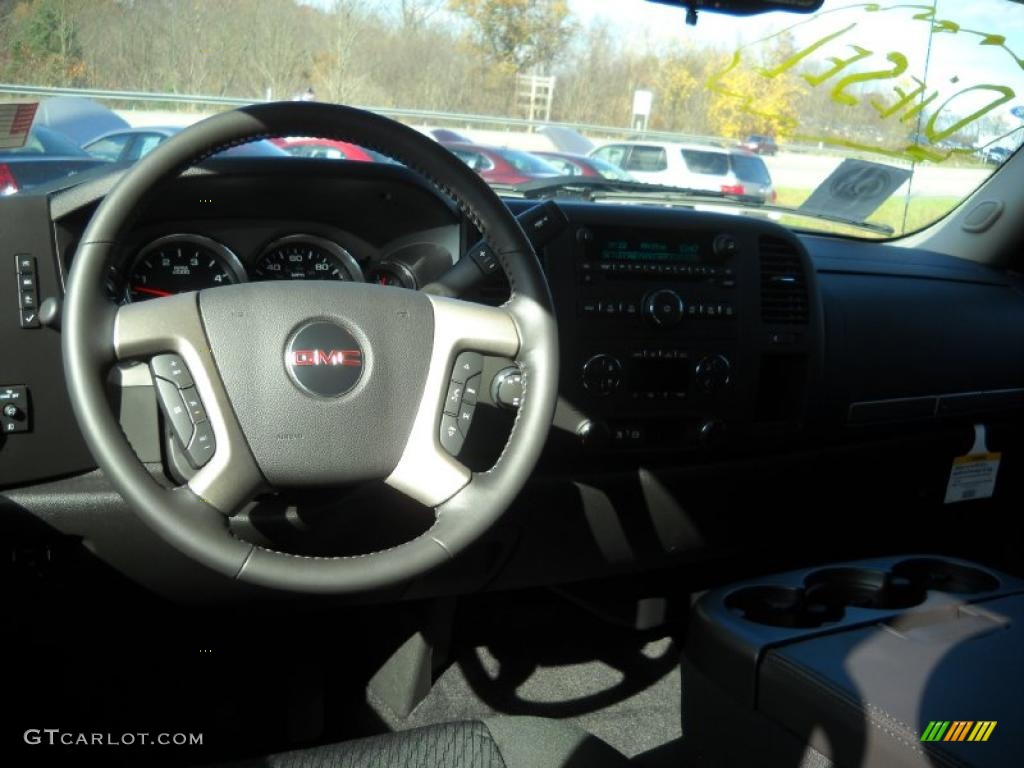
(643, 22)
(654, 21)
(958, 61)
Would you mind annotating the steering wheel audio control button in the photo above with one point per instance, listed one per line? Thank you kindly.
(451, 436)
(467, 365)
(171, 368)
(175, 410)
(507, 387)
(203, 444)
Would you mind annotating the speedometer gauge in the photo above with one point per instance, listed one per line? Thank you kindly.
(306, 257)
(181, 263)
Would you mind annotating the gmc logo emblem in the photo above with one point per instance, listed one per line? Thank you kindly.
(325, 359)
(349, 357)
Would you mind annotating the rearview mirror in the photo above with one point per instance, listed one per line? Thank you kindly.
(743, 7)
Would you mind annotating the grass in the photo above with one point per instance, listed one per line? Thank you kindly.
(920, 212)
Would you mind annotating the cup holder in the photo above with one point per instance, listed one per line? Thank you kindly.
(863, 588)
(944, 576)
(782, 607)
(827, 593)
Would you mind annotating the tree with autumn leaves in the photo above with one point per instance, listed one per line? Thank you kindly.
(41, 41)
(755, 96)
(520, 35)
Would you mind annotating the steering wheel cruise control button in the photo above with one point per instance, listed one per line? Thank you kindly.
(466, 418)
(171, 368)
(194, 405)
(175, 410)
(472, 391)
(203, 444)
(467, 365)
(454, 398)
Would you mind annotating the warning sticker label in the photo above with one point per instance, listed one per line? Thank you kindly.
(15, 120)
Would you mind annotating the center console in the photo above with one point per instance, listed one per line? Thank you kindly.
(682, 331)
(903, 661)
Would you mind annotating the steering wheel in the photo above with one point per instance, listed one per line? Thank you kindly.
(313, 383)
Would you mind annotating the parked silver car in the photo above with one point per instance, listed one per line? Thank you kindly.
(703, 167)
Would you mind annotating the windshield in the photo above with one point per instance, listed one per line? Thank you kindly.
(889, 114)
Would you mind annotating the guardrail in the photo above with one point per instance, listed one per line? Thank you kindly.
(93, 93)
(425, 116)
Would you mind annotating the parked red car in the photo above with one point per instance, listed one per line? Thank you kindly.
(579, 165)
(499, 165)
(760, 145)
(329, 149)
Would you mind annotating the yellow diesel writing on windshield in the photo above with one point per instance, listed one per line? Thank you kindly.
(913, 119)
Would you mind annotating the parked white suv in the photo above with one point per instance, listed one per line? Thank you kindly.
(703, 167)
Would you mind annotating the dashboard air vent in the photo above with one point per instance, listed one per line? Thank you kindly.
(784, 298)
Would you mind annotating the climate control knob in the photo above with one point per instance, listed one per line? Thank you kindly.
(711, 435)
(602, 374)
(713, 373)
(664, 307)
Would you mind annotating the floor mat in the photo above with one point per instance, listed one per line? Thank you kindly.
(557, 661)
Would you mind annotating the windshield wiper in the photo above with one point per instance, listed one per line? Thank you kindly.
(594, 190)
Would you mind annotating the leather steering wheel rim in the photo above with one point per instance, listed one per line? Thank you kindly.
(194, 517)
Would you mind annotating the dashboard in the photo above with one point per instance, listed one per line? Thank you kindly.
(700, 353)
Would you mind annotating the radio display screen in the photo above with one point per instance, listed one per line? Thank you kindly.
(651, 247)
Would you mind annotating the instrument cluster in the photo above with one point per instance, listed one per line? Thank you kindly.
(182, 262)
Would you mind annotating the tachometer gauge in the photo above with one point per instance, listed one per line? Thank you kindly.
(305, 257)
(180, 263)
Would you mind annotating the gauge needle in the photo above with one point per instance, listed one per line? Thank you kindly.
(151, 291)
